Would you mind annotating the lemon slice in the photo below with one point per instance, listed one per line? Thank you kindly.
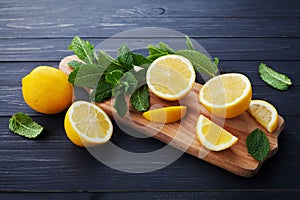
(171, 77)
(264, 113)
(166, 115)
(226, 95)
(87, 125)
(212, 136)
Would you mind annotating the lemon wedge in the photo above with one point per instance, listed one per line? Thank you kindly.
(264, 113)
(212, 136)
(166, 115)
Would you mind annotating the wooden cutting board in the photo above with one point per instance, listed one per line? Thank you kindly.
(181, 135)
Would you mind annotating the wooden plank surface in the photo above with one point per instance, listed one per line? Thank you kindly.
(241, 33)
(236, 49)
(48, 163)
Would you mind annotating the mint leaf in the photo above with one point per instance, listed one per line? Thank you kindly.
(155, 52)
(140, 99)
(189, 43)
(75, 64)
(114, 76)
(105, 60)
(23, 125)
(86, 76)
(201, 62)
(140, 60)
(123, 49)
(273, 78)
(126, 60)
(102, 92)
(129, 80)
(164, 47)
(258, 144)
(120, 103)
(216, 62)
(82, 49)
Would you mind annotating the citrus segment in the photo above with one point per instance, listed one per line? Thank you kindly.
(166, 115)
(226, 95)
(47, 90)
(171, 77)
(87, 125)
(265, 113)
(212, 136)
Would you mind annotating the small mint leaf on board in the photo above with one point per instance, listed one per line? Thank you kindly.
(273, 78)
(258, 144)
(114, 76)
(140, 99)
(82, 49)
(201, 62)
(189, 43)
(75, 64)
(120, 103)
(23, 125)
(105, 60)
(86, 76)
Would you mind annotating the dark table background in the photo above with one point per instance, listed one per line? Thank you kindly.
(241, 33)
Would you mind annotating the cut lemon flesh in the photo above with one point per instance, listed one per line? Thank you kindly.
(226, 95)
(212, 136)
(87, 125)
(171, 77)
(264, 113)
(166, 115)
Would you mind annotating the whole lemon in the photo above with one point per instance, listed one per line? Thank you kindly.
(47, 90)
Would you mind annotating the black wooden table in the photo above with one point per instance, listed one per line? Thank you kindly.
(241, 33)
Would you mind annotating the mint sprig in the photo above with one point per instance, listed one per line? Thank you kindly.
(23, 125)
(258, 144)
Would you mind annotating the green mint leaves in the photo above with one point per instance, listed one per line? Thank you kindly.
(258, 145)
(125, 75)
(83, 49)
(140, 99)
(23, 125)
(201, 62)
(189, 43)
(109, 77)
(273, 78)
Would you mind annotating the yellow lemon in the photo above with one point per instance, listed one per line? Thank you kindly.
(264, 113)
(212, 136)
(226, 95)
(87, 125)
(166, 115)
(47, 90)
(171, 77)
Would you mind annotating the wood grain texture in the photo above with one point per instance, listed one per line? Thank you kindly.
(237, 49)
(232, 18)
(181, 135)
(246, 195)
(50, 162)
